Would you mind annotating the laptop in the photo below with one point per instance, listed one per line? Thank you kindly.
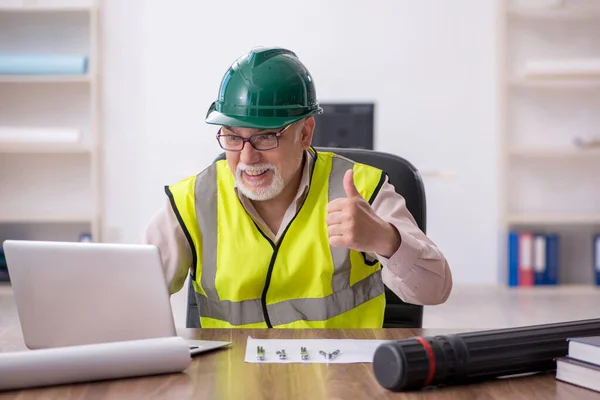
(75, 293)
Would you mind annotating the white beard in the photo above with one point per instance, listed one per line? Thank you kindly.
(259, 193)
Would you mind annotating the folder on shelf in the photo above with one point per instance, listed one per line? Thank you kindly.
(43, 64)
(513, 259)
(597, 259)
(540, 262)
(526, 275)
(533, 259)
(552, 260)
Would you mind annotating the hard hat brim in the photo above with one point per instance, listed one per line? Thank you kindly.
(214, 117)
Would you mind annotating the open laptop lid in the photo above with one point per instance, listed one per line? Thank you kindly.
(70, 293)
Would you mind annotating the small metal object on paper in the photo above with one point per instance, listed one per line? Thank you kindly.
(303, 353)
(332, 355)
(309, 351)
(260, 353)
(281, 354)
(329, 356)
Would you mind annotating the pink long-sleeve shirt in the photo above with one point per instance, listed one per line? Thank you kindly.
(417, 272)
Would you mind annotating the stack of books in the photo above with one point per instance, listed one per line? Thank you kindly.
(581, 366)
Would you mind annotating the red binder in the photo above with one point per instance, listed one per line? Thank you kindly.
(526, 272)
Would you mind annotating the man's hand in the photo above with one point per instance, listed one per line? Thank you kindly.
(352, 223)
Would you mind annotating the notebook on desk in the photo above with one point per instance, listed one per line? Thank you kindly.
(72, 293)
(581, 366)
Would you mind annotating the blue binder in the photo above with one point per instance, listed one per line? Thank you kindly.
(513, 259)
(552, 259)
(540, 259)
(597, 259)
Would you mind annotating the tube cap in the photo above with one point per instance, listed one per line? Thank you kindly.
(402, 365)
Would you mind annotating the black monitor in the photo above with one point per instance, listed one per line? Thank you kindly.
(345, 125)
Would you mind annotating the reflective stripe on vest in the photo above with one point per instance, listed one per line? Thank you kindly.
(250, 311)
(344, 297)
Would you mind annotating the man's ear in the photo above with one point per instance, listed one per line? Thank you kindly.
(306, 134)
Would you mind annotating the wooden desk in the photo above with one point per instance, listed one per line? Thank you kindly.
(223, 374)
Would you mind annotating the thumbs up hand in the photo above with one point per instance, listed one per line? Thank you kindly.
(352, 223)
(349, 186)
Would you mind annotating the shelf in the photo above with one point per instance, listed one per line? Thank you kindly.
(554, 218)
(563, 288)
(556, 13)
(50, 122)
(45, 78)
(558, 152)
(45, 218)
(48, 148)
(562, 83)
(42, 8)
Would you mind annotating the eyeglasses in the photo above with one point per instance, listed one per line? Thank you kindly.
(261, 141)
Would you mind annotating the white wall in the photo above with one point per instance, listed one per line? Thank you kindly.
(125, 137)
(429, 66)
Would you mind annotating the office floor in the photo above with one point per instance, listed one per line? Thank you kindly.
(480, 307)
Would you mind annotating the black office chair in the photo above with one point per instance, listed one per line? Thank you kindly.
(407, 182)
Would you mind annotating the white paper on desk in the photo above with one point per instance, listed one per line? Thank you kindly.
(85, 363)
(351, 350)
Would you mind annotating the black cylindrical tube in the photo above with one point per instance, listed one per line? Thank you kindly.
(415, 363)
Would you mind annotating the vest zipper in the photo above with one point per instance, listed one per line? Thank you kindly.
(263, 297)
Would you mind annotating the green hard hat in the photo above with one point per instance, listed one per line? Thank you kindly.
(265, 88)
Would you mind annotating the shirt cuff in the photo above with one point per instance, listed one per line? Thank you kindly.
(408, 252)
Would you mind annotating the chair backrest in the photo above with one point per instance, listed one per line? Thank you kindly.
(408, 183)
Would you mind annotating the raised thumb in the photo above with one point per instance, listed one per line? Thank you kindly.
(349, 186)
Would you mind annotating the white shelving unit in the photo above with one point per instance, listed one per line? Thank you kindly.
(563, 84)
(47, 78)
(554, 10)
(556, 153)
(554, 219)
(50, 189)
(549, 185)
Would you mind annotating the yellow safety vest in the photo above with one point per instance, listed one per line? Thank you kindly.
(244, 280)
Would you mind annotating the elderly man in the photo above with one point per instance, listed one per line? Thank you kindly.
(280, 235)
